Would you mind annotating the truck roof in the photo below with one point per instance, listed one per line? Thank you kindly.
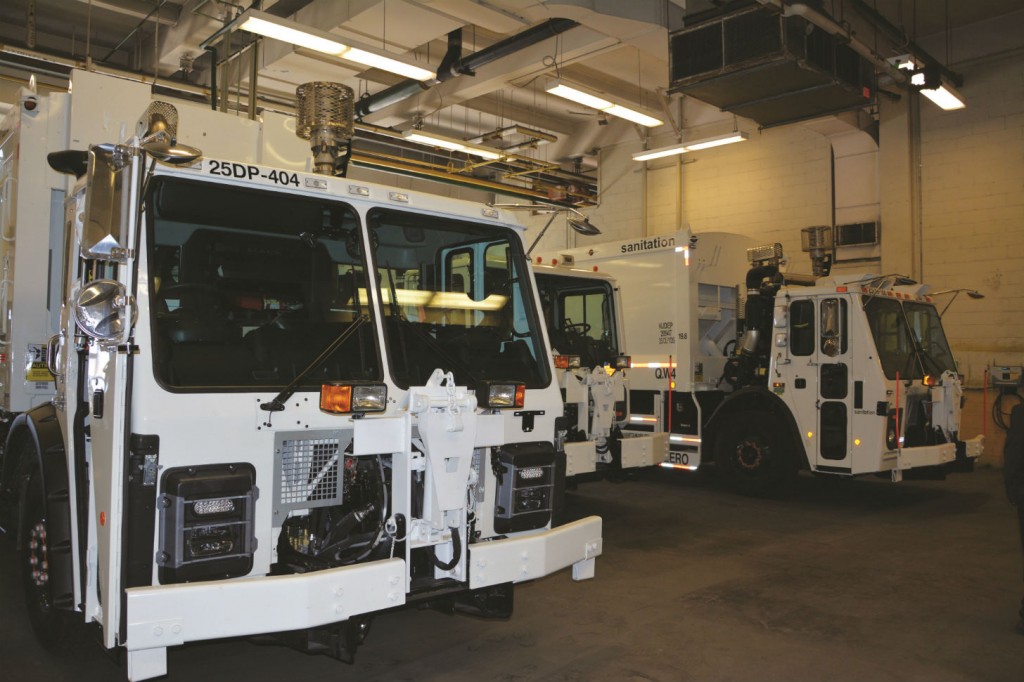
(356, 191)
(889, 286)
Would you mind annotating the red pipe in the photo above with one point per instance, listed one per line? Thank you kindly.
(984, 406)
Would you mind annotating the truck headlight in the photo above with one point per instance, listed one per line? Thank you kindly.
(500, 394)
(344, 398)
(526, 475)
(623, 361)
(206, 523)
(567, 362)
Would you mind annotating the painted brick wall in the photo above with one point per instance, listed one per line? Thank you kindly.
(972, 192)
(769, 187)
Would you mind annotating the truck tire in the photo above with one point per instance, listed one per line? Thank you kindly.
(752, 456)
(48, 623)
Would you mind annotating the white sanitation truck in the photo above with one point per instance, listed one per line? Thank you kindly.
(284, 402)
(844, 374)
(584, 322)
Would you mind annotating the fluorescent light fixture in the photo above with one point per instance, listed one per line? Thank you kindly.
(321, 41)
(595, 102)
(578, 96)
(716, 141)
(451, 143)
(378, 61)
(295, 36)
(944, 94)
(691, 145)
(634, 116)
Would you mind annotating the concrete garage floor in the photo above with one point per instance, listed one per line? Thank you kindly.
(850, 580)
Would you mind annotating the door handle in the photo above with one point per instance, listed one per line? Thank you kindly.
(53, 347)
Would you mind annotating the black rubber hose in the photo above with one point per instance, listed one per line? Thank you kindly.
(999, 416)
(456, 552)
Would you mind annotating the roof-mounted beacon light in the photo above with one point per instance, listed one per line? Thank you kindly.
(326, 117)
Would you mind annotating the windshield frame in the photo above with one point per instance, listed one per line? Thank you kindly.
(564, 286)
(502, 233)
(312, 383)
(935, 352)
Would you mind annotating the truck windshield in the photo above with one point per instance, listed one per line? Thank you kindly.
(909, 338)
(248, 287)
(580, 317)
(455, 296)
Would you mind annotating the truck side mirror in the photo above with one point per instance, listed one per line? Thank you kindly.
(107, 196)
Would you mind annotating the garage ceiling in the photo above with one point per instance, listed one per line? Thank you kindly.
(619, 48)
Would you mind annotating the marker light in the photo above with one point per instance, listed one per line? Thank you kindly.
(810, 434)
(501, 395)
(339, 398)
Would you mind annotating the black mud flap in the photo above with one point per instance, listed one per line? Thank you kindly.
(490, 602)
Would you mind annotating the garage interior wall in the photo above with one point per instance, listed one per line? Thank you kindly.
(950, 185)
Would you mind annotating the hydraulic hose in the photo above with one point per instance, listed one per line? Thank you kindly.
(456, 552)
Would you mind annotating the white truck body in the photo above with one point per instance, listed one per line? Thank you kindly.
(280, 401)
(584, 321)
(832, 399)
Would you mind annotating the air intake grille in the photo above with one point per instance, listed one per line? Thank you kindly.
(307, 469)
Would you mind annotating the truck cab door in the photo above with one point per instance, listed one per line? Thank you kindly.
(817, 376)
(834, 381)
(103, 298)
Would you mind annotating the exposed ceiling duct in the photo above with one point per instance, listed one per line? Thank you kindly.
(769, 67)
(780, 61)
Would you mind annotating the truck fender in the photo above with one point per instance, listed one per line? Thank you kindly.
(40, 428)
(760, 399)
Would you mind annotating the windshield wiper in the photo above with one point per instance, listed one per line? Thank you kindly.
(277, 404)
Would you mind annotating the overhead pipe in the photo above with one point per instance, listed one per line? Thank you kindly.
(452, 66)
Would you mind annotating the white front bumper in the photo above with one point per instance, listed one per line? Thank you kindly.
(514, 560)
(933, 455)
(169, 615)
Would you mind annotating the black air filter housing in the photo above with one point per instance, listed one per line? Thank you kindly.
(756, 63)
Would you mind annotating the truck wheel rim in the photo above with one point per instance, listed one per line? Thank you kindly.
(749, 453)
(38, 562)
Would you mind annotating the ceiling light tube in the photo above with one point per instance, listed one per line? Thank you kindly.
(943, 94)
(634, 116)
(587, 99)
(691, 145)
(451, 143)
(378, 61)
(716, 141)
(275, 28)
(578, 96)
(321, 41)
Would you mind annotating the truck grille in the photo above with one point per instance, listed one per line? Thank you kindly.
(307, 469)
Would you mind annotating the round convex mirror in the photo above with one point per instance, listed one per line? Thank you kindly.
(103, 310)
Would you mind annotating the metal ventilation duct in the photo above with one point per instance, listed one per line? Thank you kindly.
(771, 68)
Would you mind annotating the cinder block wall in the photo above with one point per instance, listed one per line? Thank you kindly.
(972, 211)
